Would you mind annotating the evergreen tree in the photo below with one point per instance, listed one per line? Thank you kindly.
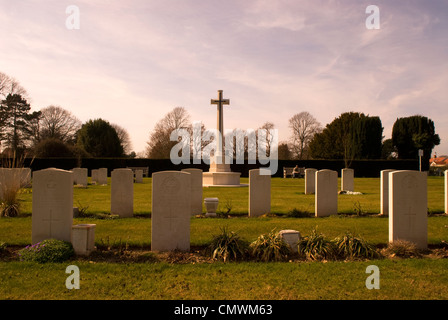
(16, 122)
(351, 136)
(410, 134)
(99, 139)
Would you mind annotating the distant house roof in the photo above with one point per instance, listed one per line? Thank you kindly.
(439, 161)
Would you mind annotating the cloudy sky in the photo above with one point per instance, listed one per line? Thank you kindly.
(131, 62)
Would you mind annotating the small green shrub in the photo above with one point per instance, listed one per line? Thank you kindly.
(353, 247)
(316, 247)
(298, 213)
(270, 247)
(50, 250)
(227, 246)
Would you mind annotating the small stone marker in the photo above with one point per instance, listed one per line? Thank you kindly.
(80, 176)
(259, 192)
(211, 206)
(83, 238)
(52, 213)
(408, 207)
(102, 176)
(347, 179)
(291, 237)
(326, 198)
(310, 180)
(384, 191)
(171, 211)
(122, 193)
(196, 189)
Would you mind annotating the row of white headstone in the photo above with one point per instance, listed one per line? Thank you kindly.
(403, 198)
(98, 176)
(177, 195)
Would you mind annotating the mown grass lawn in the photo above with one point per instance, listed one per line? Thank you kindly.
(400, 279)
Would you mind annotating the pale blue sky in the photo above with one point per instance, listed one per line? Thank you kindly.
(131, 62)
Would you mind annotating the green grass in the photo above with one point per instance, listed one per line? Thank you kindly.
(400, 279)
(408, 279)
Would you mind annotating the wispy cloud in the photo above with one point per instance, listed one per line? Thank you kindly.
(132, 62)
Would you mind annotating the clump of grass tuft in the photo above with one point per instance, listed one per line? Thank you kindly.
(402, 249)
(9, 206)
(270, 247)
(298, 213)
(227, 246)
(316, 247)
(350, 246)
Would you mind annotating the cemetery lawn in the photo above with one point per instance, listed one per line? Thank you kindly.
(152, 277)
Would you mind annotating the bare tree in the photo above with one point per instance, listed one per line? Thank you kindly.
(56, 122)
(304, 126)
(9, 85)
(269, 128)
(124, 137)
(159, 144)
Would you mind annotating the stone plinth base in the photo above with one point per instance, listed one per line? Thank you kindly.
(221, 179)
(83, 238)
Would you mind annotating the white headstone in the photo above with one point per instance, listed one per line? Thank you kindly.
(94, 175)
(10, 180)
(259, 192)
(326, 198)
(171, 211)
(52, 213)
(138, 176)
(102, 176)
(310, 180)
(408, 207)
(384, 191)
(196, 190)
(122, 193)
(25, 177)
(80, 176)
(347, 179)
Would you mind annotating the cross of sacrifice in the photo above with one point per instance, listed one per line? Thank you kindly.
(220, 122)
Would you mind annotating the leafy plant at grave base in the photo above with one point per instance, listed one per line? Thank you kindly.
(228, 208)
(401, 249)
(2, 247)
(316, 247)
(353, 247)
(50, 250)
(357, 208)
(9, 206)
(270, 247)
(298, 213)
(227, 246)
(82, 209)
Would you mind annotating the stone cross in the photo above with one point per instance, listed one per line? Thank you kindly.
(220, 123)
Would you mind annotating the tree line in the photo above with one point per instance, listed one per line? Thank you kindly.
(53, 131)
(56, 132)
(351, 136)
